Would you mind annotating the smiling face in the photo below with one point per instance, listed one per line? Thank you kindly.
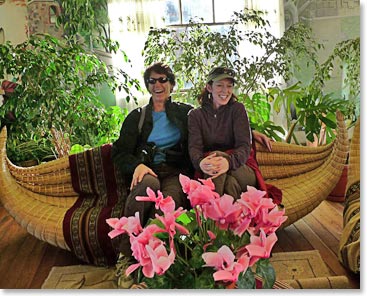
(160, 91)
(221, 91)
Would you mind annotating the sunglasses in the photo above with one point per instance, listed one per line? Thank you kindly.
(160, 79)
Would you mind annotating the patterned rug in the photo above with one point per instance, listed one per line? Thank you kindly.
(298, 265)
(306, 270)
(300, 270)
(101, 196)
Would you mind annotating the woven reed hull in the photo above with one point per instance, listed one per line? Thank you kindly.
(38, 197)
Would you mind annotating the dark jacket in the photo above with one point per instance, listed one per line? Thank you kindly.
(225, 128)
(126, 151)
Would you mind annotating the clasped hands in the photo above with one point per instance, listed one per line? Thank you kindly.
(214, 165)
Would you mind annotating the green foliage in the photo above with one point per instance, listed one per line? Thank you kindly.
(199, 48)
(88, 20)
(346, 55)
(109, 130)
(258, 110)
(313, 107)
(34, 149)
(266, 271)
(247, 280)
(77, 148)
(193, 51)
(57, 85)
(87, 23)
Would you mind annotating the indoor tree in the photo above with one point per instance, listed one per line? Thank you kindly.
(56, 87)
(193, 51)
(315, 109)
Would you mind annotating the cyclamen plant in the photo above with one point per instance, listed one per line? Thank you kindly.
(221, 241)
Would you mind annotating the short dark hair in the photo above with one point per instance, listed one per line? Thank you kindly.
(159, 68)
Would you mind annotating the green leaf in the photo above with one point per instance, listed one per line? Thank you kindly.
(266, 271)
(246, 280)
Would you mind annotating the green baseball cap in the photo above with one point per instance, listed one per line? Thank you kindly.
(219, 73)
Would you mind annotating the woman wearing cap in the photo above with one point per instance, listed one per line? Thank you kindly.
(220, 137)
(155, 156)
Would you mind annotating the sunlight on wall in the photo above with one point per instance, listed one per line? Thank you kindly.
(130, 23)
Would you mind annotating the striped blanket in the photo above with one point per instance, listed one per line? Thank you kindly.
(102, 194)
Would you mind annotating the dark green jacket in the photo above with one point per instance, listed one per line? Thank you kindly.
(127, 149)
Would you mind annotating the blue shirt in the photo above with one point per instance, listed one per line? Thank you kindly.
(164, 134)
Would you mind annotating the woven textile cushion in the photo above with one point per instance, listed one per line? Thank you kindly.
(349, 246)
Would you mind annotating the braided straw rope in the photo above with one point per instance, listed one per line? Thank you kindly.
(38, 197)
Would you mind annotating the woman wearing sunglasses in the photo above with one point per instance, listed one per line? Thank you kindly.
(220, 137)
(155, 156)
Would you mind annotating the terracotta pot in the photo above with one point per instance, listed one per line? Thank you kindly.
(338, 193)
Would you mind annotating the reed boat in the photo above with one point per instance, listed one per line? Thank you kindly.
(65, 202)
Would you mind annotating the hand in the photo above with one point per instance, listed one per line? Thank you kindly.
(140, 171)
(262, 139)
(214, 165)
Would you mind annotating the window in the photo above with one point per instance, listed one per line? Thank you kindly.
(53, 14)
(179, 12)
(2, 36)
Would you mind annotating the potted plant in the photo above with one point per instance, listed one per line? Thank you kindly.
(56, 88)
(314, 109)
(220, 243)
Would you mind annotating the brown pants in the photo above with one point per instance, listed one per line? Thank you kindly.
(167, 182)
(234, 182)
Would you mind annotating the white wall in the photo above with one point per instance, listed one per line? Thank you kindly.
(13, 20)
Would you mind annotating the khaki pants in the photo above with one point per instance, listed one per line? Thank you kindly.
(234, 182)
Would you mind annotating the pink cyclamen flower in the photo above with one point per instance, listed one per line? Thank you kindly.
(170, 225)
(270, 221)
(153, 257)
(222, 210)
(187, 184)
(223, 261)
(165, 204)
(260, 246)
(241, 226)
(208, 182)
(201, 195)
(129, 225)
(253, 199)
(198, 193)
(139, 242)
(160, 259)
(232, 274)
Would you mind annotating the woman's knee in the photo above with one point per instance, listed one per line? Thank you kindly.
(144, 208)
(147, 181)
(245, 176)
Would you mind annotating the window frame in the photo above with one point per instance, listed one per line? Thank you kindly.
(214, 23)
